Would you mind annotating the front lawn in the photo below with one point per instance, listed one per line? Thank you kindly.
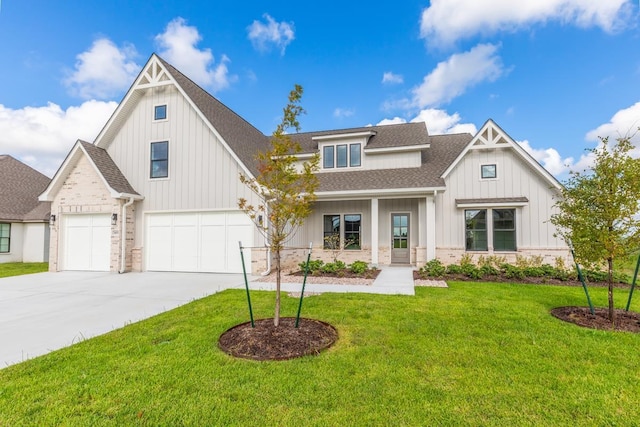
(472, 354)
(18, 268)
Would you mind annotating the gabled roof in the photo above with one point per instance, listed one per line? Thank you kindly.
(443, 150)
(491, 136)
(105, 168)
(387, 136)
(20, 186)
(241, 139)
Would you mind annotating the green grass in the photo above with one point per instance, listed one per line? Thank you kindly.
(473, 354)
(19, 268)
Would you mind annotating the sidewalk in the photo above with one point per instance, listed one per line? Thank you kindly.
(390, 281)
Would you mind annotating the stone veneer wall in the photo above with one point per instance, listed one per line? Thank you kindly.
(84, 192)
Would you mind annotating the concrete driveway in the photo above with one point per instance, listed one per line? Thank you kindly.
(43, 312)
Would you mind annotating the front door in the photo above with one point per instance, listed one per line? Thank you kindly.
(400, 247)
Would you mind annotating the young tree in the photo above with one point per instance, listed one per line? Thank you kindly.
(286, 192)
(598, 209)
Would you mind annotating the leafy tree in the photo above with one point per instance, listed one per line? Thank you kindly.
(286, 191)
(598, 209)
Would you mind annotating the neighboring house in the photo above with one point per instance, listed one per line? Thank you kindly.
(158, 190)
(24, 221)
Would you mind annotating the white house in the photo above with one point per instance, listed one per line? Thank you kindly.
(158, 190)
(24, 221)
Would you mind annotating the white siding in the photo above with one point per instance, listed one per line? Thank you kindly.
(36, 242)
(515, 178)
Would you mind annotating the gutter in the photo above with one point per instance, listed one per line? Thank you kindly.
(123, 239)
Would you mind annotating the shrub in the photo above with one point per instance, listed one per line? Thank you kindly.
(333, 267)
(359, 267)
(512, 271)
(314, 265)
(454, 269)
(433, 268)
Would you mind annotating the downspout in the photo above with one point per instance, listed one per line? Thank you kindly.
(123, 240)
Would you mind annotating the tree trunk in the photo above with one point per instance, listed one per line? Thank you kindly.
(276, 316)
(611, 311)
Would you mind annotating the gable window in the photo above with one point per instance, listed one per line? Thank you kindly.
(341, 156)
(327, 156)
(159, 159)
(5, 238)
(488, 171)
(331, 236)
(160, 112)
(476, 229)
(354, 155)
(352, 225)
(504, 229)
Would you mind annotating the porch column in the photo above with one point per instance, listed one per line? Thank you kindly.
(374, 232)
(431, 227)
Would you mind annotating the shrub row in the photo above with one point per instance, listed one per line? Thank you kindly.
(318, 266)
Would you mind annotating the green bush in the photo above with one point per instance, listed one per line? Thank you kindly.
(512, 271)
(314, 265)
(359, 267)
(333, 267)
(433, 268)
(454, 269)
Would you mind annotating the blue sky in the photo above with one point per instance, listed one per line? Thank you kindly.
(554, 74)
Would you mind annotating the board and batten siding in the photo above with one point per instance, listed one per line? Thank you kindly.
(515, 178)
(203, 175)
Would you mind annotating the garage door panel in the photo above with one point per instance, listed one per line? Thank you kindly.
(200, 241)
(86, 242)
(159, 246)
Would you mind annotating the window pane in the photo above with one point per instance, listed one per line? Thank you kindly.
(5, 230)
(160, 112)
(476, 229)
(327, 156)
(5, 234)
(488, 171)
(331, 235)
(352, 225)
(504, 229)
(354, 155)
(4, 245)
(341, 161)
(159, 159)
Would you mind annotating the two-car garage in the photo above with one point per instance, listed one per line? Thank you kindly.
(173, 241)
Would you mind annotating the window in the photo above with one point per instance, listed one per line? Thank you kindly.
(341, 154)
(354, 155)
(160, 112)
(488, 171)
(5, 238)
(476, 229)
(160, 159)
(331, 236)
(327, 156)
(352, 225)
(504, 229)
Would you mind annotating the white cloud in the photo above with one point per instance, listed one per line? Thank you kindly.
(42, 136)
(550, 158)
(178, 47)
(438, 122)
(390, 78)
(444, 22)
(343, 112)
(451, 78)
(623, 123)
(103, 71)
(270, 33)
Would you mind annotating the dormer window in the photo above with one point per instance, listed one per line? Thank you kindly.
(342, 156)
(160, 112)
(488, 171)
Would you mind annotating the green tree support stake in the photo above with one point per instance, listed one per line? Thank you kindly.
(633, 284)
(246, 285)
(584, 285)
(304, 282)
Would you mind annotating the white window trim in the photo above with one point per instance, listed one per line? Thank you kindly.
(166, 118)
(490, 247)
(169, 156)
(335, 167)
(495, 164)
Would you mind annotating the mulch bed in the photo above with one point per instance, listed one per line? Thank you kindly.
(266, 342)
(525, 281)
(626, 321)
(347, 274)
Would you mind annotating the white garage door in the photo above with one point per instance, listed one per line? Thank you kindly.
(86, 242)
(198, 241)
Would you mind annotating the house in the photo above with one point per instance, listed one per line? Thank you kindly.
(158, 189)
(24, 221)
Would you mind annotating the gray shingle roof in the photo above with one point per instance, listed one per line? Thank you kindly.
(243, 138)
(20, 186)
(435, 160)
(108, 168)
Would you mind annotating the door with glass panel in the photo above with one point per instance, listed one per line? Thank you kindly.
(400, 246)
